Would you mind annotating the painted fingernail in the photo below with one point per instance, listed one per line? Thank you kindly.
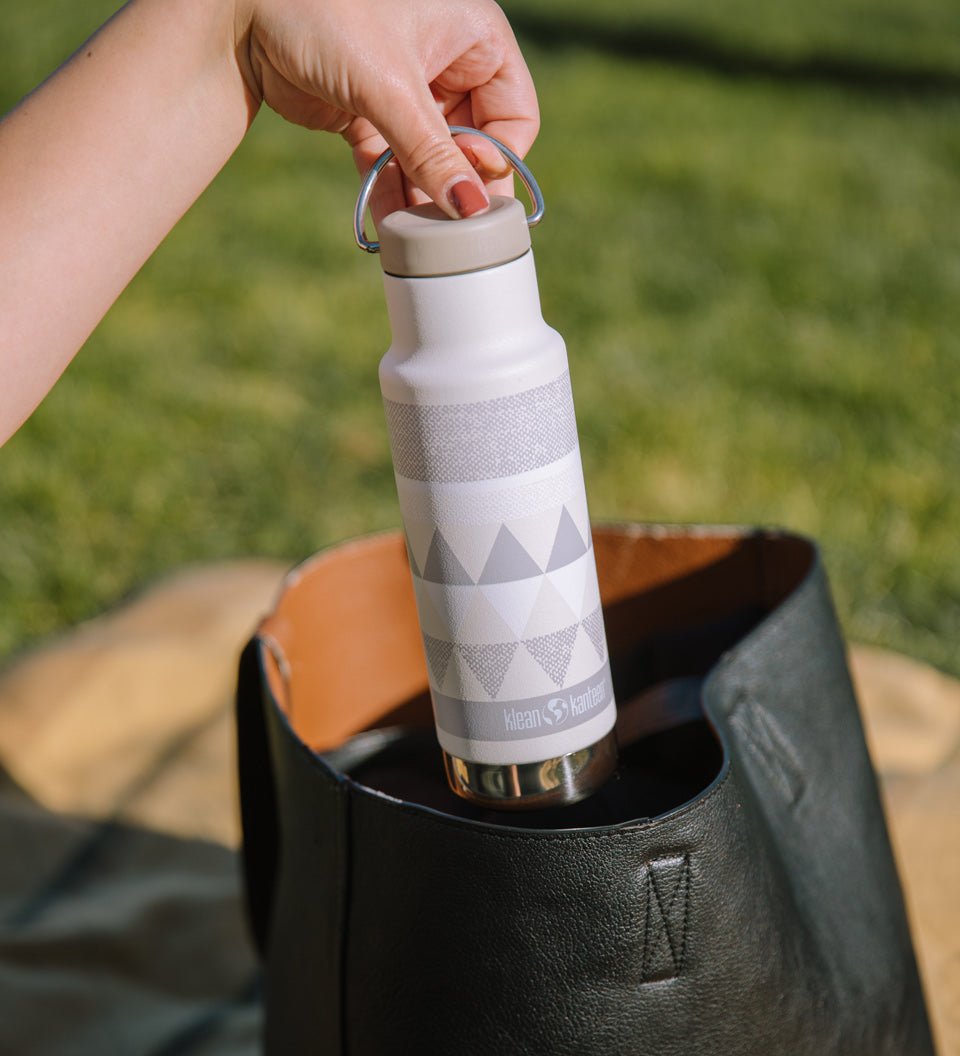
(467, 198)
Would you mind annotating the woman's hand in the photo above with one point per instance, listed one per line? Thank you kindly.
(397, 72)
(100, 161)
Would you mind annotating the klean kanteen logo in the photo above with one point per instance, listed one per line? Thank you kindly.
(558, 711)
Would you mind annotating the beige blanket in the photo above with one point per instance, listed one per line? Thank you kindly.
(121, 928)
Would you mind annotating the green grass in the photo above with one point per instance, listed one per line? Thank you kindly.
(752, 248)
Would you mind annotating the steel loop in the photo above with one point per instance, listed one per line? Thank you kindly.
(366, 188)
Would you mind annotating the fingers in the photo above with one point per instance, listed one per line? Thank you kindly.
(420, 139)
(476, 79)
(459, 175)
(487, 161)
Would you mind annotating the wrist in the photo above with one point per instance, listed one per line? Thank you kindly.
(243, 55)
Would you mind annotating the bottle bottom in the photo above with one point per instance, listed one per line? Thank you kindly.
(529, 786)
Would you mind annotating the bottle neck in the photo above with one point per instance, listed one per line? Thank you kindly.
(477, 308)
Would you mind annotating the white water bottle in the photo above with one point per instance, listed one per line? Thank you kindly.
(480, 415)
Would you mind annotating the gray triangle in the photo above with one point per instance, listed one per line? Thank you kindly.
(567, 545)
(442, 565)
(508, 561)
(413, 561)
(593, 625)
(553, 651)
(438, 655)
(489, 662)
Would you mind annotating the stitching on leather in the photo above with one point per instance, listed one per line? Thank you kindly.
(769, 746)
(666, 926)
(685, 930)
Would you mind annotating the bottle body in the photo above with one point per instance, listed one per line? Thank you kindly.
(482, 429)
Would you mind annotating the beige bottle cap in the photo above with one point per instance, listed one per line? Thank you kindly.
(422, 241)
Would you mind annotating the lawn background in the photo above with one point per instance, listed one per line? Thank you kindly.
(752, 248)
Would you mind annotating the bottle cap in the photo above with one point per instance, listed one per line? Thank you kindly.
(423, 241)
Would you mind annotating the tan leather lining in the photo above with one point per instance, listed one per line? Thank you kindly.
(342, 649)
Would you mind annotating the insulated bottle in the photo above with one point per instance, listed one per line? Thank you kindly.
(480, 416)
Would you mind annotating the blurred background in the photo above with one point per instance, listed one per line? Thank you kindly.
(752, 249)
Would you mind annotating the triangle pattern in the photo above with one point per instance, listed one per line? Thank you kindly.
(442, 565)
(419, 536)
(553, 651)
(489, 662)
(583, 661)
(438, 656)
(549, 612)
(508, 561)
(525, 678)
(591, 591)
(513, 601)
(451, 603)
(570, 582)
(535, 534)
(482, 624)
(567, 544)
(461, 682)
(431, 622)
(414, 567)
(580, 515)
(593, 625)
(472, 544)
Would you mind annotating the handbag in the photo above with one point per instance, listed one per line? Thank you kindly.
(732, 890)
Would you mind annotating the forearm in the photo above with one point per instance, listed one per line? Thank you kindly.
(96, 166)
(101, 161)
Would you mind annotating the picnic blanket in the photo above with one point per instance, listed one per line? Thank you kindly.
(121, 918)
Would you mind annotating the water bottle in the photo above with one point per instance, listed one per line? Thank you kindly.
(477, 397)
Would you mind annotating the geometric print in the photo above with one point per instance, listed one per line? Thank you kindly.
(474, 623)
(494, 501)
(507, 560)
(474, 654)
(487, 440)
(442, 565)
(498, 535)
(438, 655)
(553, 652)
(593, 625)
(569, 655)
(568, 545)
(489, 662)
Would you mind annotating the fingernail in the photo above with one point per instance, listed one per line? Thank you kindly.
(467, 198)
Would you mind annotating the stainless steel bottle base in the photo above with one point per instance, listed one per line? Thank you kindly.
(527, 786)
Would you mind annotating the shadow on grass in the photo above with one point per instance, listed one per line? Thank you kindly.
(659, 42)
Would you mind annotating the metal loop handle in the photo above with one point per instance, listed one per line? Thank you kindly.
(366, 188)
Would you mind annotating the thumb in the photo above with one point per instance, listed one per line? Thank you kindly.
(421, 141)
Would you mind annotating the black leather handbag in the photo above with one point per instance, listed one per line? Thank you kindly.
(731, 891)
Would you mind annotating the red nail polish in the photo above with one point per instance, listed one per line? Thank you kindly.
(467, 198)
